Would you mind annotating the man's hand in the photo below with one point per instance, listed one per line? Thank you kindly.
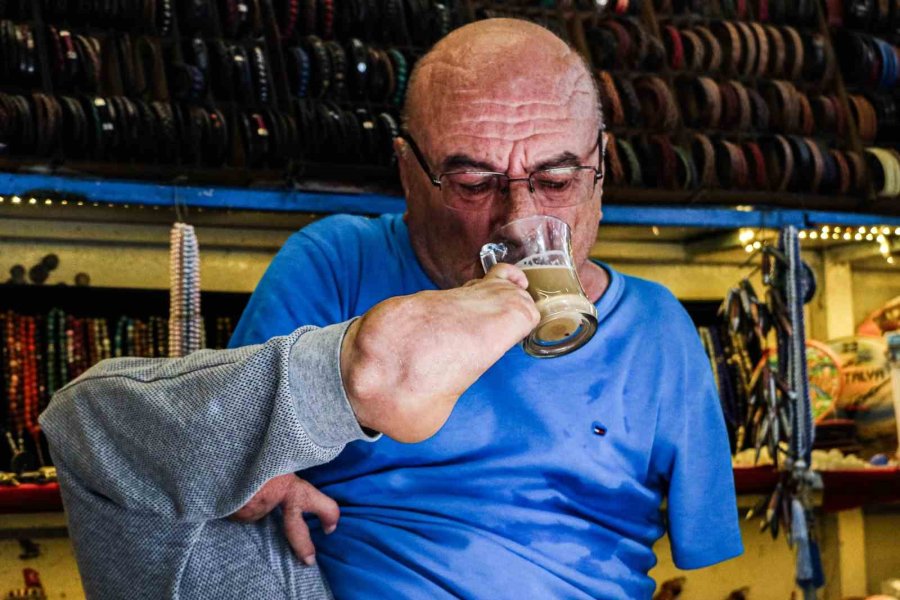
(407, 361)
(296, 497)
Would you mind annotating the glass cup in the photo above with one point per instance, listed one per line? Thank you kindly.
(542, 247)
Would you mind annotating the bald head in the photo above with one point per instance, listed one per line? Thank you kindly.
(515, 63)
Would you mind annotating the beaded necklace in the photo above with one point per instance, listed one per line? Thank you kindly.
(185, 321)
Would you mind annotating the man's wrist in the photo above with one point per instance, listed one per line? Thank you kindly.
(349, 359)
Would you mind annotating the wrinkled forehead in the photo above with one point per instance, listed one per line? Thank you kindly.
(507, 91)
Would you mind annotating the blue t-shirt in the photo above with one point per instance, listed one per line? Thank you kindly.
(518, 496)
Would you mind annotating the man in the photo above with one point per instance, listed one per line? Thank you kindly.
(530, 479)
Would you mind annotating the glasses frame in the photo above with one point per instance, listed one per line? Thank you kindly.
(436, 180)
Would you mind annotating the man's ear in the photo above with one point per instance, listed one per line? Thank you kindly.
(402, 152)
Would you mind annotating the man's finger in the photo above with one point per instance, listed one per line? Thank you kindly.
(510, 273)
(298, 534)
(314, 501)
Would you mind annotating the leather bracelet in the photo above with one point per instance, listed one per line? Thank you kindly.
(885, 170)
(667, 161)
(779, 162)
(299, 71)
(865, 117)
(759, 110)
(631, 163)
(657, 103)
(758, 169)
(694, 50)
(704, 157)
(338, 69)
(794, 40)
(818, 163)
(391, 130)
(748, 65)
(261, 78)
(402, 72)
(613, 165)
(824, 114)
(843, 179)
(777, 53)
(762, 44)
(631, 105)
(674, 47)
(686, 173)
(610, 101)
(386, 90)
(731, 165)
(713, 51)
(803, 163)
(744, 110)
(321, 66)
(730, 108)
(730, 42)
(700, 101)
(859, 174)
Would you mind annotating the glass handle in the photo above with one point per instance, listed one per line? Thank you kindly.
(491, 254)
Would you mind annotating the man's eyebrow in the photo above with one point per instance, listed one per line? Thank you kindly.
(564, 159)
(456, 162)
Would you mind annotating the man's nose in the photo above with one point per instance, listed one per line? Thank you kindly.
(520, 202)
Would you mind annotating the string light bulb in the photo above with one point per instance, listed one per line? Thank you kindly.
(748, 248)
(802, 234)
(813, 235)
(847, 236)
(869, 237)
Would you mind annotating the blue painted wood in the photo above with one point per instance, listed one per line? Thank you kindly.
(137, 192)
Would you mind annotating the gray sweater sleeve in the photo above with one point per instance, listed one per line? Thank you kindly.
(194, 438)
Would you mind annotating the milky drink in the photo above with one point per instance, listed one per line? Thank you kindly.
(557, 293)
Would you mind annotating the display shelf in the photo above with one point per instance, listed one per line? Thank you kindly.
(19, 188)
(843, 490)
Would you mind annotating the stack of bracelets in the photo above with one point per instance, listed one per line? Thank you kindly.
(211, 83)
(742, 97)
(39, 354)
(730, 94)
(865, 38)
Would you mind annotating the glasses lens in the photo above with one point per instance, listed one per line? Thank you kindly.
(563, 187)
(470, 190)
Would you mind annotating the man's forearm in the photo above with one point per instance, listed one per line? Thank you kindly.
(194, 438)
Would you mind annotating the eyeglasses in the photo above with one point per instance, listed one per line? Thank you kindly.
(556, 187)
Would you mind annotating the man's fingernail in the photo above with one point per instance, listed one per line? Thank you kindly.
(330, 529)
(309, 560)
